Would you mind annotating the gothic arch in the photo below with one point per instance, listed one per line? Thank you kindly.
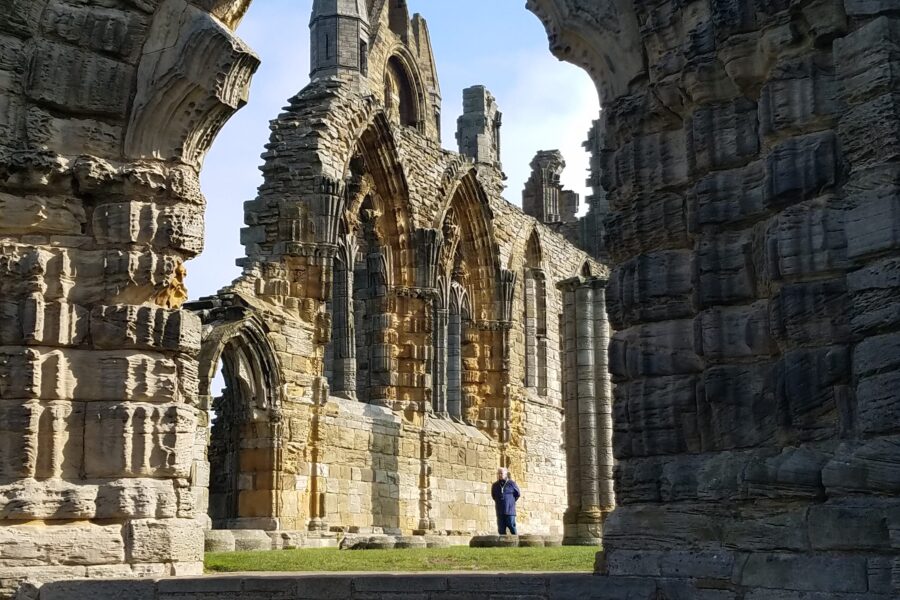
(377, 177)
(245, 419)
(247, 335)
(602, 37)
(534, 316)
(403, 95)
(468, 204)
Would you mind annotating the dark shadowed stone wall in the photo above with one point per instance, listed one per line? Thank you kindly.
(749, 154)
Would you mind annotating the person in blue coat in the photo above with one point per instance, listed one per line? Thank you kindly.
(505, 493)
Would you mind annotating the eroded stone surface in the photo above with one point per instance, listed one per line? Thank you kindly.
(750, 170)
(747, 153)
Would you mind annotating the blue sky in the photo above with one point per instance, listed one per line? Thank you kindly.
(496, 43)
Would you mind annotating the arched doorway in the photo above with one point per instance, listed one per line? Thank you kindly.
(244, 421)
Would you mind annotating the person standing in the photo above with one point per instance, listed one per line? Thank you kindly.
(505, 493)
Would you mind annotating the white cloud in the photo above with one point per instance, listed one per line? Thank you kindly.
(552, 107)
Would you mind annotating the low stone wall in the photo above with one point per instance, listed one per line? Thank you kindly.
(335, 587)
(536, 586)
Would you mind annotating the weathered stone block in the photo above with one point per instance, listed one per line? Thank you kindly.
(72, 136)
(81, 544)
(645, 164)
(726, 272)
(179, 540)
(804, 572)
(664, 405)
(145, 328)
(807, 239)
(736, 332)
(654, 222)
(726, 196)
(79, 81)
(800, 93)
(813, 395)
(40, 439)
(722, 136)
(87, 375)
(138, 440)
(659, 527)
(866, 60)
(874, 290)
(850, 528)
(815, 312)
(801, 168)
(651, 287)
(102, 29)
(170, 227)
(768, 531)
(655, 349)
(869, 467)
(737, 407)
(873, 225)
(734, 16)
(793, 473)
(36, 214)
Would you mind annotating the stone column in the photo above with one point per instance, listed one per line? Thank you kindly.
(441, 324)
(603, 394)
(584, 517)
(100, 414)
(531, 359)
(343, 366)
(454, 365)
(382, 331)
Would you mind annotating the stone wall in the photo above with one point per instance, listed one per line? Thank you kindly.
(356, 587)
(107, 113)
(364, 237)
(374, 463)
(748, 153)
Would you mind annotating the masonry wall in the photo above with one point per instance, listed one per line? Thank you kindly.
(748, 151)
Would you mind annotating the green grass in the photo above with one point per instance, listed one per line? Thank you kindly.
(563, 559)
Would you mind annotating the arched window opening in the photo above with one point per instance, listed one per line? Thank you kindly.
(341, 351)
(240, 384)
(535, 300)
(239, 421)
(363, 57)
(399, 94)
(371, 309)
(460, 314)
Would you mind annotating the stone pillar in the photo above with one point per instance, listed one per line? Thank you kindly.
(101, 207)
(343, 340)
(454, 365)
(478, 128)
(531, 349)
(441, 325)
(318, 470)
(584, 351)
(603, 393)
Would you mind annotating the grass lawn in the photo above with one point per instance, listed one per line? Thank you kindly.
(562, 559)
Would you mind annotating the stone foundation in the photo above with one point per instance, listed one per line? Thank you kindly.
(776, 581)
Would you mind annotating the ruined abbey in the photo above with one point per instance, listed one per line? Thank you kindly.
(702, 373)
(400, 330)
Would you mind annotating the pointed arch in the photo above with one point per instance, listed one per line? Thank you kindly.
(246, 416)
(535, 316)
(467, 202)
(378, 183)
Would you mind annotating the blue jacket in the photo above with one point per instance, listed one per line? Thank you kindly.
(505, 494)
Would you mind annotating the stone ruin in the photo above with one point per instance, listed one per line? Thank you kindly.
(746, 171)
(399, 330)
